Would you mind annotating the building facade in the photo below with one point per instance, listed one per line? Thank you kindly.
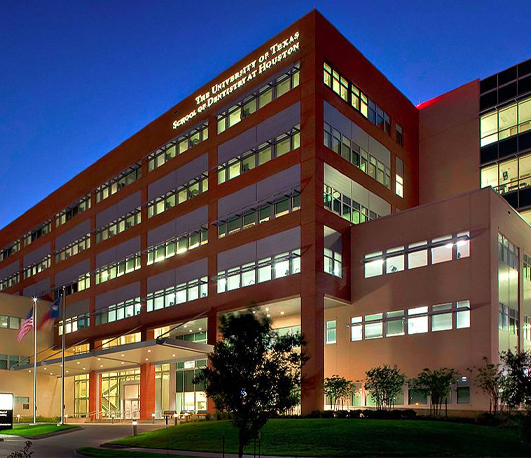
(300, 180)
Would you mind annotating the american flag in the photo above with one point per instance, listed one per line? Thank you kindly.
(26, 326)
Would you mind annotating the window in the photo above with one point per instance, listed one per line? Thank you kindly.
(505, 122)
(347, 208)
(37, 233)
(509, 175)
(353, 153)
(417, 322)
(260, 98)
(331, 332)
(373, 326)
(417, 257)
(442, 252)
(9, 250)
(286, 202)
(117, 269)
(351, 94)
(38, 267)
(441, 319)
(463, 245)
(333, 264)
(9, 281)
(395, 323)
(128, 176)
(179, 195)
(67, 214)
(356, 328)
(399, 134)
(395, 262)
(119, 311)
(74, 248)
(178, 146)
(177, 245)
(373, 264)
(119, 225)
(399, 178)
(9, 322)
(463, 315)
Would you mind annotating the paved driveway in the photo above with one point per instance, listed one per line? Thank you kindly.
(64, 445)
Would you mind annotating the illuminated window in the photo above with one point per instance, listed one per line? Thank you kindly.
(331, 333)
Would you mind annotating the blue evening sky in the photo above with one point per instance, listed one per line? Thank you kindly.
(79, 77)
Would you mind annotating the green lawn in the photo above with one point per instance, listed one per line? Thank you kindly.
(35, 430)
(344, 437)
(110, 453)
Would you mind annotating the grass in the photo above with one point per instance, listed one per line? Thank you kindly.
(110, 453)
(35, 430)
(343, 437)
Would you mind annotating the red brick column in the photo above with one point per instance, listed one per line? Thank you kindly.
(94, 394)
(212, 337)
(147, 391)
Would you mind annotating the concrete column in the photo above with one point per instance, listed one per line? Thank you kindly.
(212, 337)
(147, 391)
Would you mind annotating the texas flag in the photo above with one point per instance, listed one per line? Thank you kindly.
(51, 314)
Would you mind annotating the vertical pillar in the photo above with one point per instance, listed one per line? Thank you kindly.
(173, 386)
(147, 391)
(94, 393)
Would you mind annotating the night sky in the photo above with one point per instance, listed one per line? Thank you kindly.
(79, 77)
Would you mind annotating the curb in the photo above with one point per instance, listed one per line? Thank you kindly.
(56, 433)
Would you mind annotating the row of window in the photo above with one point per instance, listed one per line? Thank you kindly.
(37, 233)
(118, 268)
(333, 263)
(9, 250)
(508, 252)
(9, 322)
(506, 122)
(179, 294)
(119, 225)
(68, 213)
(274, 208)
(119, 311)
(128, 176)
(178, 146)
(38, 267)
(508, 176)
(11, 361)
(80, 284)
(270, 268)
(419, 320)
(351, 94)
(177, 245)
(356, 155)
(440, 249)
(177, 196)
(508, 320)
(346, 207)
(258, 156)
(112, 342)
(258, 99)
(74, 323)
(74, 248)
(9, 281)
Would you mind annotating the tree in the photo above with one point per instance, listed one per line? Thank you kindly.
(384, 383)
(516, 379)
(337, 389)
(436, 384)
(253, 373)
(489, 379)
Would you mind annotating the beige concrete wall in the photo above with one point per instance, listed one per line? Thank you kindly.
(472, 278)
(20, 382)
(449, 144)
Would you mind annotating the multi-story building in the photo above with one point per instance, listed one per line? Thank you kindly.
(300, 180)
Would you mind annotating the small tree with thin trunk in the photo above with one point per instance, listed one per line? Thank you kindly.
(516, 379)
(489, 380)
(337, 389)
(384, 383)
(436, 384)
(253, 373)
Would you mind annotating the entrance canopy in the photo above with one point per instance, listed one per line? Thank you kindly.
(159, 351)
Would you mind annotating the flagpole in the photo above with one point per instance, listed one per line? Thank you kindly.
(63, 313)
(34, 360)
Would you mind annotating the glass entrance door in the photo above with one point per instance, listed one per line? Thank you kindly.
(131, 400)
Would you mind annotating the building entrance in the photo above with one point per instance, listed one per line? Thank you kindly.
(130, 400)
